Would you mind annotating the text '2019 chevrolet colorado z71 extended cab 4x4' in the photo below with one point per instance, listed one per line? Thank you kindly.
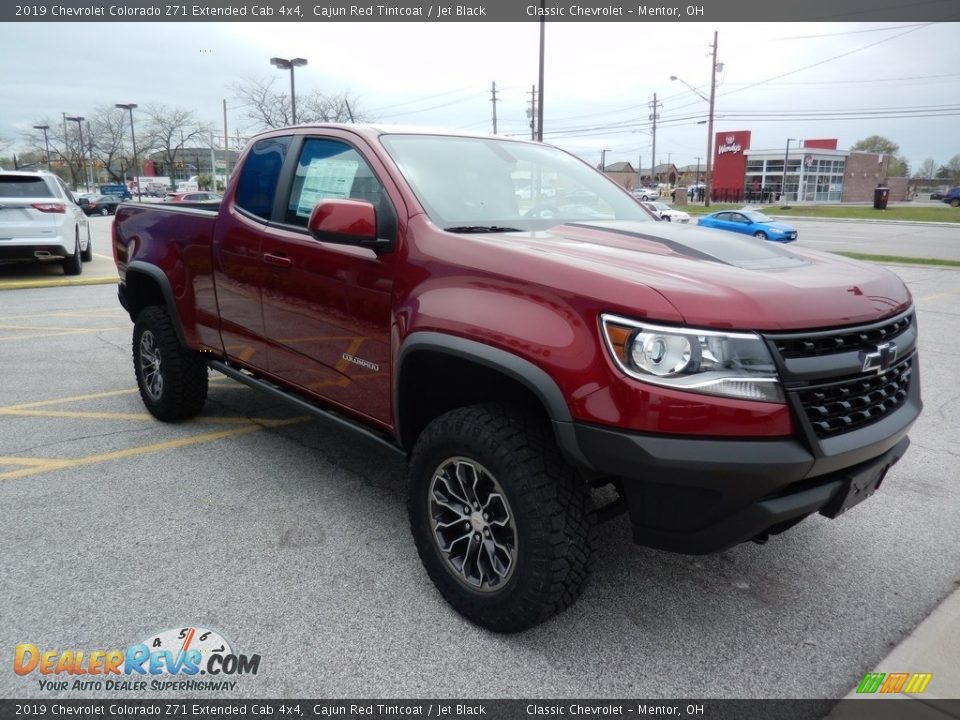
(523, 349)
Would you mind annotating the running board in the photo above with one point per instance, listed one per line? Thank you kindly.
(315, 411)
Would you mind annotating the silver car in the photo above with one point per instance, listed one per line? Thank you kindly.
(644, 193)
(41, 220)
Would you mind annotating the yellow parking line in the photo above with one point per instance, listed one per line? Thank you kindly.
(69, 313)
(73, 414)
(73, 398)
(90, 396)
(52, 464)
(46, 335)
(10, 460)
(79, 415)
(56, 282)
(44, 327)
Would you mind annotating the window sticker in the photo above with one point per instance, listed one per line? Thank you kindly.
(325, 178)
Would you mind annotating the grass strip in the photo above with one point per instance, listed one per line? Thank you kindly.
(899, 259)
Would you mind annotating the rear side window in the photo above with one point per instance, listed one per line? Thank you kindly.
(19, 186)
(258, 178)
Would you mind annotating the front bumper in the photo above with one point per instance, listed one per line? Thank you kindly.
(699, 495)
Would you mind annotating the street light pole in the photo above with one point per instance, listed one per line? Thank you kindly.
(711, 101)
(284, 64)
(45, 142)
(708, 187)
(133, 139)
(783, 183)
(79, 119)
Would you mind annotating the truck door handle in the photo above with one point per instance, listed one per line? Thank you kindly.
(277, 259)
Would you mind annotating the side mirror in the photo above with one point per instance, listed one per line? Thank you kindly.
(348, 222)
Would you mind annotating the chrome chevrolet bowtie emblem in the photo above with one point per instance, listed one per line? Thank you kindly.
(881, 358)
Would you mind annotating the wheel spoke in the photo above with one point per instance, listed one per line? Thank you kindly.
(472, 524)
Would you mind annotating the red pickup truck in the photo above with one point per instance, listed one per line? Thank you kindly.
(523, 331)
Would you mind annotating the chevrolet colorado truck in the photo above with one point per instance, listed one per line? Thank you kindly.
(531, 354)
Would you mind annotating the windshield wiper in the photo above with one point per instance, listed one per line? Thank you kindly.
(481, 229)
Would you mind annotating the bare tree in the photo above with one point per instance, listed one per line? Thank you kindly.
(169, 131)
(267, 107)
(64, 142)
(927, 168)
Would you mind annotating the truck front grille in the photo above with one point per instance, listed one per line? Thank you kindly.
(838, 407)
(832, 342)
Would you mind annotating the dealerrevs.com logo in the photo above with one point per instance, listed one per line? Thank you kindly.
(182, 659)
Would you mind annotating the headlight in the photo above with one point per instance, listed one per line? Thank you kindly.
(705, 361)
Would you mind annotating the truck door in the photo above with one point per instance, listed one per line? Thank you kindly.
(239, 269)
(327, 307)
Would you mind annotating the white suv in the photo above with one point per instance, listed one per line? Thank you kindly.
(40, 220)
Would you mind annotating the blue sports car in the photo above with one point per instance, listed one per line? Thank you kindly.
(750, 222)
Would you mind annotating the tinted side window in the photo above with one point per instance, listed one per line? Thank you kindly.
(259, 175)
(330, 169)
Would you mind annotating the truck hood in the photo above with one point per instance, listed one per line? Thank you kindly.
(716, 279)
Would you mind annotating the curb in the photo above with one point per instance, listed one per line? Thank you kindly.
(56, 282)
(866, 220)
(933, 647)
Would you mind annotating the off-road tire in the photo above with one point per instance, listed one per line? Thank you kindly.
(172, 379)
(87, 255)
(549, 504)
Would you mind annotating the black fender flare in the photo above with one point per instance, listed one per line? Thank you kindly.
(534, 378)
(139, 267)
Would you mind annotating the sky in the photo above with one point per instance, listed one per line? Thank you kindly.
(778, 80)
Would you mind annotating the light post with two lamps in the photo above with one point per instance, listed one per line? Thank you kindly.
(284, 64)
(78, 119)
(129, 107)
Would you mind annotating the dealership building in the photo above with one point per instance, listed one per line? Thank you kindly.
(816, 172)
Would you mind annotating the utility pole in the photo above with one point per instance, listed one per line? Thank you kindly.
(603, 161)
(653, 159)
(532, 111)
(543, 31)
(713, 94)
(493, 99)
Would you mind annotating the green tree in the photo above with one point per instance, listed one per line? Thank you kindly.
(898, 165)
(877, 144)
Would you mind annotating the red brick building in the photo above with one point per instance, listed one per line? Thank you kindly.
(816, 172)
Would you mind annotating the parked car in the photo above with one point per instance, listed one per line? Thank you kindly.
(40, 220)
(665, 212)
(194, 197)
(99, 204)
(646, 193)
(120, 190)
(936, 195)
(750, 222)
(952, 198)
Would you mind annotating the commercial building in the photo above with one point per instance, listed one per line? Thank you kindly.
(816, 172)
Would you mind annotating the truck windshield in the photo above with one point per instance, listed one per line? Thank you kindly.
(465, 183)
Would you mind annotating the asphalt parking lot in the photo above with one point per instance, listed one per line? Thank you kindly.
(291, 541)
